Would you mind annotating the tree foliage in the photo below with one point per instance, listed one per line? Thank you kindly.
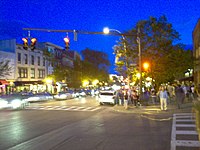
(168, 60)
(97, 58)
(5, 69)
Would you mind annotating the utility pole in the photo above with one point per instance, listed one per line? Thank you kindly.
(140, 62)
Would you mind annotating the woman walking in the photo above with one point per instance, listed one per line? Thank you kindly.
(163, 98)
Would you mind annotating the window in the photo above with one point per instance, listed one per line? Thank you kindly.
(32, 73)
(19, 58)
(32, 60)
(22, 72)
(25, 58)
(41, 73)
(44, 61)
(38, 60)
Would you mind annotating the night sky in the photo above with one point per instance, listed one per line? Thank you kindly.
(92, 15)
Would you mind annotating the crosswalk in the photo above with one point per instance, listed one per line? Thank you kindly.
(64, 108)
(184, 134)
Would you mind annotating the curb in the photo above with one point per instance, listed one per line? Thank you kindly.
(152, 109)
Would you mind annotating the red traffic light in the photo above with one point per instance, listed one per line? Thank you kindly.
(33, 42)
(25, 44)
(25, 40)
(66, 39)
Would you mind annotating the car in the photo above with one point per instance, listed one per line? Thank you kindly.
(63, 95)
(106, 97)
(80, 93)
(13, 101)
(45, 96)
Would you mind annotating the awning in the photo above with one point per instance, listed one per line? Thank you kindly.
(4, 82)
(61, 84)
(21, 83)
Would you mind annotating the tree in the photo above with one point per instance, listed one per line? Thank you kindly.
(95, 65)
(97, 58)
(158, 47)
(5, 69)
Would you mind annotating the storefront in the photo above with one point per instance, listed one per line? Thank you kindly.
(3, 86)
(34, 86)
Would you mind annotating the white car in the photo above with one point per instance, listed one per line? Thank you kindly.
(106, 97)
(63, 95)
(40, 97)
(13, 101)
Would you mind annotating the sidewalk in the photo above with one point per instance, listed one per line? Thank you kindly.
(154, 109)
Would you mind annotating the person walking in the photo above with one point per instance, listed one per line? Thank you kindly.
(134, 97)
(153, 96)
(163, 98)
(180, 95)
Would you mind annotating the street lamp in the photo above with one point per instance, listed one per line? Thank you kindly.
(106, 30)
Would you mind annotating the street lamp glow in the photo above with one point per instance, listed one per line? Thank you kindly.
(106, 30)
(146, 65)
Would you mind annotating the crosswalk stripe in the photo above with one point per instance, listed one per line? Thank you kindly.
(73, 108)
(183, 120)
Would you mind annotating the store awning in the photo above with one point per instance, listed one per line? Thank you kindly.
(61, 84)
(4, 82)
(21, 83)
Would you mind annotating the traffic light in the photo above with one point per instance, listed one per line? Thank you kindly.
(33, 42)
(25, 44)
(66, 40)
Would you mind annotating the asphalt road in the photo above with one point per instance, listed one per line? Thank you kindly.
(101, 129)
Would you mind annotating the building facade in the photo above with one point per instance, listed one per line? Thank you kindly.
(196, 53)
(30, 68)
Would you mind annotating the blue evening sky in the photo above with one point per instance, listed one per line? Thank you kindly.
(92, 15)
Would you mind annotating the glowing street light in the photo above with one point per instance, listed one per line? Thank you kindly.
(146, 66)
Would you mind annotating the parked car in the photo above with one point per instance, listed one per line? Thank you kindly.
(63, 95)
(40, 97)
(106, 97)
(80, 93)
(13, 101)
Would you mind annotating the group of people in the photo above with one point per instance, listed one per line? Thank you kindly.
(165, 94)
(128, 96)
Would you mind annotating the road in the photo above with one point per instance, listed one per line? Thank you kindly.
(85, 126)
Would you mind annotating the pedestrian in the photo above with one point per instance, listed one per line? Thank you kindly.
(163, 98)
(153, 96)
(180, 95)
(121, 97)
(134, 97)
(117, 97)
(129, 92)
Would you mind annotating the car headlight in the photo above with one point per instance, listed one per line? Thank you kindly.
(16, 103)
(3, 103)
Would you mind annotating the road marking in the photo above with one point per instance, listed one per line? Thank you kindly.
(186, 125)
(183, 120)
(71, 108)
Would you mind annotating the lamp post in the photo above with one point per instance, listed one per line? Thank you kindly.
(106, 30)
